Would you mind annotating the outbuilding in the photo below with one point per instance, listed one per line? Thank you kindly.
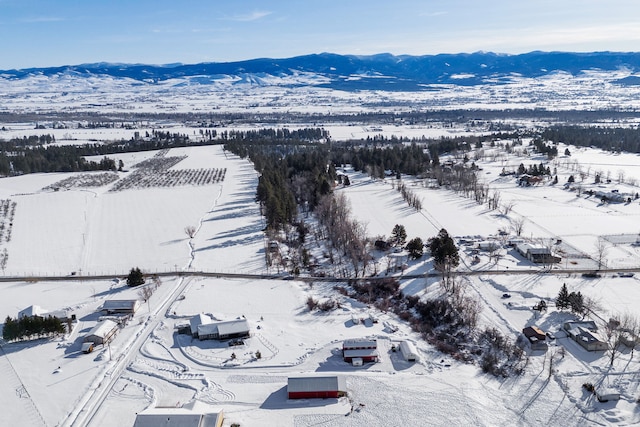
(194, 416)
(103, 333)
(116, 306)
(316, 387)
(409, 351)
(360, 348)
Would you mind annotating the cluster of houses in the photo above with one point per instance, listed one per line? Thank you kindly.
(583, 332)
(535, 253)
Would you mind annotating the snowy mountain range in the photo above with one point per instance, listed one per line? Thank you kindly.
(379, 72)
(328, 83)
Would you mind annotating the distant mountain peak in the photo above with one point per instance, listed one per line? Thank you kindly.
(383, 71)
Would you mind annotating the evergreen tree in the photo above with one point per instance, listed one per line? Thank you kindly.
(135, 277)
(562, 300)
(576, 301)
(444, 250)
(415, 248)
(398, 235)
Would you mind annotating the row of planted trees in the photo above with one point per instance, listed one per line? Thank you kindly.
(31, 327)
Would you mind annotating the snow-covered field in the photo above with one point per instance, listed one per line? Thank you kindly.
(92, 230)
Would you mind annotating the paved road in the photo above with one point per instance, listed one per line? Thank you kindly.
(88, 277)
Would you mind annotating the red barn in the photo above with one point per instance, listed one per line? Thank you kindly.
(363, 349)
(316, 387)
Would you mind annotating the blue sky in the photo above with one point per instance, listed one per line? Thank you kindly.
(39, 33)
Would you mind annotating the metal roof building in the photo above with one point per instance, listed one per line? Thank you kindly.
(115, 306)
(102, 333)
(178, 417)
(237, 328)
(316, 387)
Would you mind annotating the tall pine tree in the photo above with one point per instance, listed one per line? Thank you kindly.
(562, 300)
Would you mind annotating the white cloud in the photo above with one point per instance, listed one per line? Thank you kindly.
(253, 16)
(40, 19)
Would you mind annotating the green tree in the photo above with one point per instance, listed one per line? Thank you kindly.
(135, 277)
(444, 250)
(398, 235)
(576, 302)
(415, 248)
(562, 300)
(445, 254)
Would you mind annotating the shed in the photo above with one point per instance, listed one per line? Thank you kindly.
(178, 417)
(238, 328)
(534, 332)
(103, 333)
(115, 306)
(607, 395)
(409, 351)
(316, 387)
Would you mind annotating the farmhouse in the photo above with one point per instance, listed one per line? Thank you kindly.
(197, 320)
(103, 333)
(358, 351)
(316, 387)
(195, 415)
(409, 351)
(238, 328)
(537, 254)
(584, 333)
(114, 306)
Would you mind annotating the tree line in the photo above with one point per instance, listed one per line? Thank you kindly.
(615, 139)
(31, 327)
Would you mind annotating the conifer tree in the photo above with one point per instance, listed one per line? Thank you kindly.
(562, 301)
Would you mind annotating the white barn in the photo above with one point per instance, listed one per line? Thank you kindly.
(409, 351)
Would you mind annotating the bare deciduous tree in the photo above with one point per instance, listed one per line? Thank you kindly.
(518, 225)
(602, 247)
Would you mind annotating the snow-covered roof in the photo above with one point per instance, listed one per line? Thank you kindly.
(332, 383)
(197, 320)
(102, 329)
(228, 327)
(175, 417)
(359, 343)
(33, 310)
(117, 304)
(364, 352)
